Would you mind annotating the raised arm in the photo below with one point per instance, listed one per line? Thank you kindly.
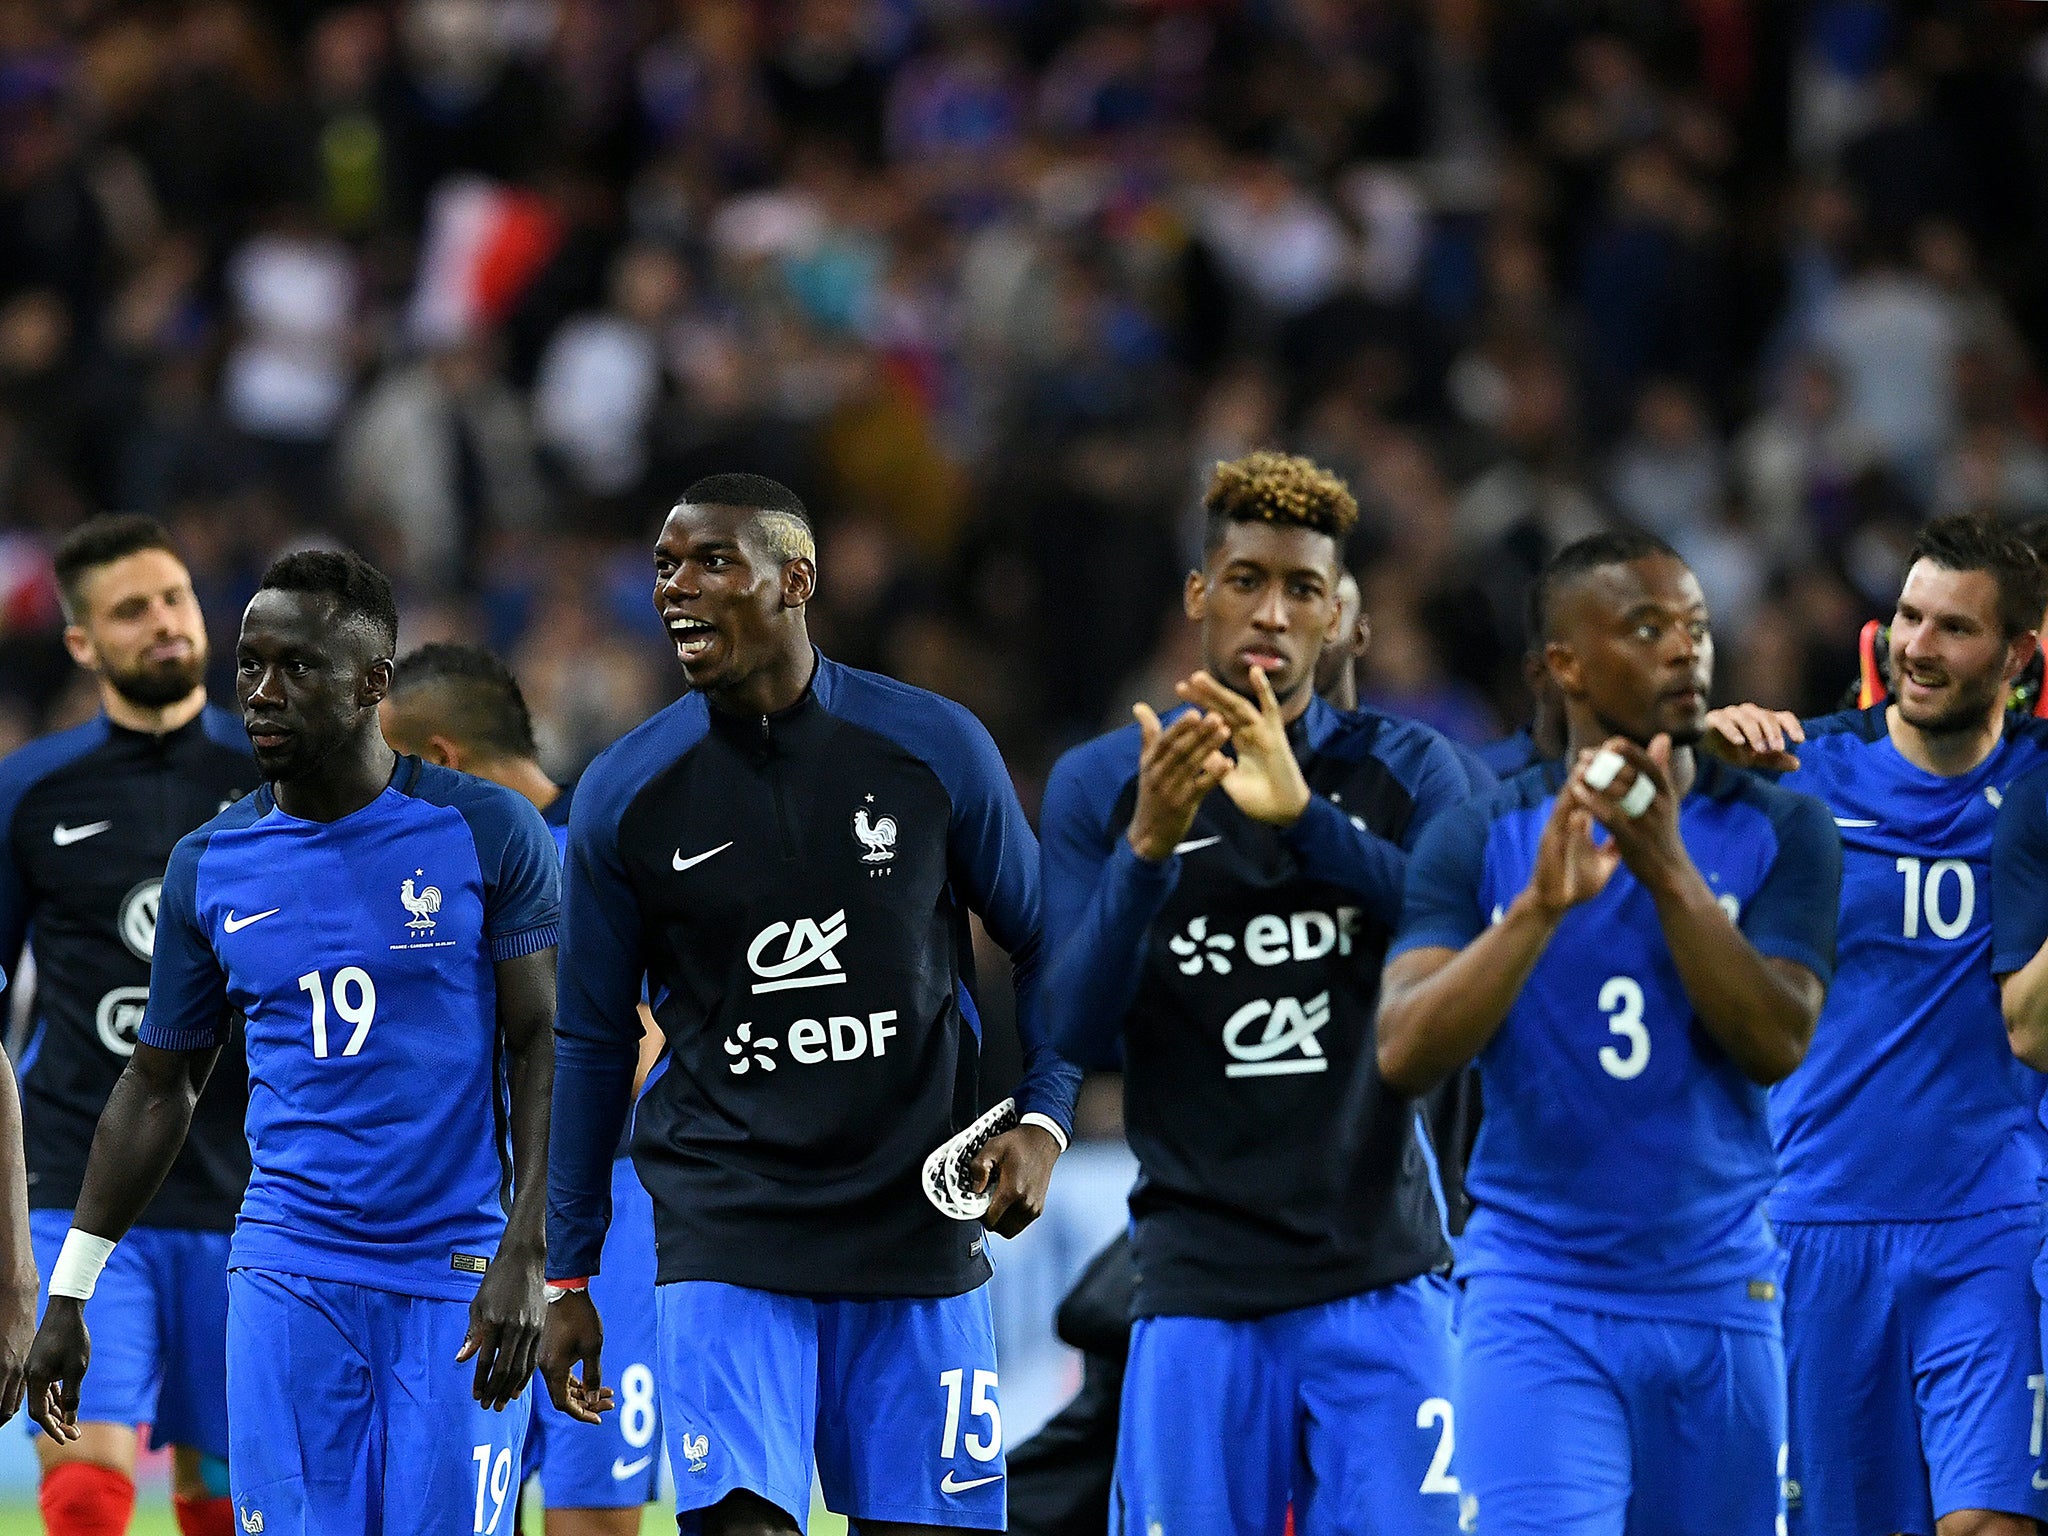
(1757, 989)
(1453, 976)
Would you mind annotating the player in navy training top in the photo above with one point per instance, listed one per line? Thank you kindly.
(1628, 998)
(789, 856)
(87, 819)
(386, 931)
(1913, 1359)
(1292, 1343)
(459, 706)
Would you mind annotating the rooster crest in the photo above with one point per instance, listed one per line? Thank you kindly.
(878, 837)
(421, 904)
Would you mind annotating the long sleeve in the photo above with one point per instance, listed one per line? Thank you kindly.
(1100, 898)
(597, 1031)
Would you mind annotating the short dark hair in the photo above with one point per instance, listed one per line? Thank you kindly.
(1279, 488)
(1581, 557)
(481, 705)
(1972, 542)
(101, 541)
(361, 592)
(783, 521)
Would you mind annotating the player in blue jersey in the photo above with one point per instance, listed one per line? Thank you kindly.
(461, 707)
(1913, 1360)
(1218, 922)
(789, 855)
(385, 932)
(1629, 993)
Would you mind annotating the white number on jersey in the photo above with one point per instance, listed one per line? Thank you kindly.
(494, 1478)
(1438, 1479)
(355, 1000)
(982, 1405)
(1621, 999)
(636, 1405)
(1925, 897)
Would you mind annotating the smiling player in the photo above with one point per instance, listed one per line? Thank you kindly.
(1291, 1343)
(1627, 1000)
(789, 855)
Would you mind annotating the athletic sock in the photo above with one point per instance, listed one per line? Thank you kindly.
(205, 1516)
(81, 1498)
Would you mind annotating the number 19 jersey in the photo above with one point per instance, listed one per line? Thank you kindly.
(1623, 1157)
(360, 952)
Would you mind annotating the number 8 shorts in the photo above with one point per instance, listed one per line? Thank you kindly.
(893, 1402)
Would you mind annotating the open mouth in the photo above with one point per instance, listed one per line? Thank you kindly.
(693, 637)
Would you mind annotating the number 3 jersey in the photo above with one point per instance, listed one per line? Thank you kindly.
(1240, 977)
(360, 955)
(1910, 1055)
(87, 819)
(1622, 1151)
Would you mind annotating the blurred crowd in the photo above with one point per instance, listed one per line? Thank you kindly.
(477, 286)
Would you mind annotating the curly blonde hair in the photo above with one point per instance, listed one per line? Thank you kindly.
(1280, 488)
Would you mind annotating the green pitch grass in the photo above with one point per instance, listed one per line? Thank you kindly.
(153, 1518)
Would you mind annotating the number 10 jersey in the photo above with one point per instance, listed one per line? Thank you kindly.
(360, 952)
(1623, 1157)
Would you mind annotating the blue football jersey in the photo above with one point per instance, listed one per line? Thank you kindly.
(1621, 1149)
(1910, 1053)
(360, 954)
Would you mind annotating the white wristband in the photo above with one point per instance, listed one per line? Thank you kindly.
(1047, 1124)
(78, 1265)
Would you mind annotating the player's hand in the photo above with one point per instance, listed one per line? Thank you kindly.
(1177, 765)
(1650, 843)
(1750, 736)
(1015, 1169)
(56, 1367)
(575, 1336)
(1570, 866)
(1265, 782)
(17, 1336)
(505, 1323)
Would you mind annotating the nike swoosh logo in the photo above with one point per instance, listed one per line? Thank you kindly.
(1194, 843)
(1853, 821)
(950, 1485)
(234, 924)
(623, 1469)
(64, 836)
(680, 863)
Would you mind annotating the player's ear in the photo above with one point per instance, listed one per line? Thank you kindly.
(80, 645)
(1194, 597)
(799, 582)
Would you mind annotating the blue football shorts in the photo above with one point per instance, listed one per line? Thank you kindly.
(1579, 1422)
(349, 1414)
(1914, 1374)
(615, 1464)
(1340, 1410)
(159, 1322)
(893, 1401)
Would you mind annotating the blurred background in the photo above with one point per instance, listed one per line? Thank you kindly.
(476, 286)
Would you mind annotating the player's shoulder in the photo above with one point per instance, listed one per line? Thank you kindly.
(622, 770)
(26, 766)
(913, 717)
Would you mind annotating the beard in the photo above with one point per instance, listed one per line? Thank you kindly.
(157, 685)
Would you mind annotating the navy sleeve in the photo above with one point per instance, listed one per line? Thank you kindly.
(1793, 914)
(1440, 906)
(1330, 846)
(597, 1035)
(188, 991)
(995, 858)
(1100, 899)
(523, 879)
(2019, 875)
